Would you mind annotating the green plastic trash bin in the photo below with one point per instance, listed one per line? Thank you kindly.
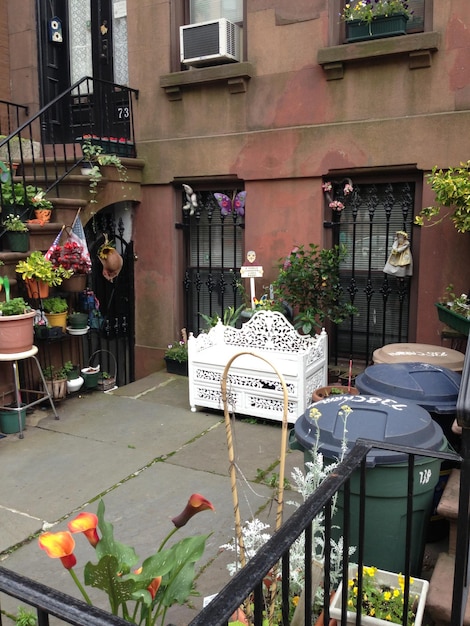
(435, 389)
(388, 421)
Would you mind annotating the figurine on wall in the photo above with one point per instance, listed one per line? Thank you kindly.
(400, 261)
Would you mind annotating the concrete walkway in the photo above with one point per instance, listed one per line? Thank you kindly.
(144, 453)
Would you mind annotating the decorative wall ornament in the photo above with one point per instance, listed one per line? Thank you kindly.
(236, 203)
(191, 199)
(400, 261)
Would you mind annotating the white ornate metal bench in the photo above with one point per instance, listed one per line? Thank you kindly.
(253, 386)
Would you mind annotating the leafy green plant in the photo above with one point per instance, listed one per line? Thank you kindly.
(94, 154)
(37, 267)
(230, 316)
(452, 189)
(15, 306)
(14, 224)
(55, 305)
(25, 617)
(51, 372)
(309, 280)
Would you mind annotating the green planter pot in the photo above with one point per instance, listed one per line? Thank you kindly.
(176, 367)
(379, 27)
(78, 320)
(18, 242)
(452, 319)
(9, 421)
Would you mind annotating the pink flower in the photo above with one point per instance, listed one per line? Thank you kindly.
(348, 188)
(327, 187)
(336, 205)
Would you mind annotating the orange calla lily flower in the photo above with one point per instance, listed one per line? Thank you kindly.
(59, 546)
(154, 586)
(196, 503)
(85, 523)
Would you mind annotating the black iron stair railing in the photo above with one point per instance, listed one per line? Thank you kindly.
(49, 141)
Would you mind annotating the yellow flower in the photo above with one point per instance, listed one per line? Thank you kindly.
(387, 596)
(314, 414)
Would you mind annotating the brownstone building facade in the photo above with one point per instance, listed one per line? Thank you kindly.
(298, 106)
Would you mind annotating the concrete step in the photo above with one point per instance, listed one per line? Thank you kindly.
(448, 506)
(439, 599)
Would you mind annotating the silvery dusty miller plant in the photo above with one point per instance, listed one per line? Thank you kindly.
(254, 535)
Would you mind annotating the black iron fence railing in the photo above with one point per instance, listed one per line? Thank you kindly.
(42, 151)
(12, 115)
(274, 556)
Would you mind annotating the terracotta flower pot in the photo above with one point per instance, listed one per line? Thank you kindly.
(43, 215)
(16, 333)
(323, 392)
(36, 288)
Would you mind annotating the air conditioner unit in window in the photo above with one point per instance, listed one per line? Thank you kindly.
(210, 43)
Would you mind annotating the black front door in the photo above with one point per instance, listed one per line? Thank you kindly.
(71, 47)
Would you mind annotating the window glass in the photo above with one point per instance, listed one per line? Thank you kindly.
(204, 10)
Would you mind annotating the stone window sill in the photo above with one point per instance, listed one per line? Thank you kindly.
(418, 47)
(235, 75)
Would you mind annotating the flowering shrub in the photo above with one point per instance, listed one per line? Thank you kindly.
(309, 281)
(379, 600)
(366, 10)
(163, 579)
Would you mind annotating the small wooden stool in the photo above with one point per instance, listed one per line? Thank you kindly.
(44, 395)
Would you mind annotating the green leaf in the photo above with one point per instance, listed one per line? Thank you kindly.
(125, 555)
(105, 576)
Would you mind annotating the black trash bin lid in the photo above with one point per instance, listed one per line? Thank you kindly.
(378, 418)
(432, 387)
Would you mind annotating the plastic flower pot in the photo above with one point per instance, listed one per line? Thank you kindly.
(9, 421)
(91, 376)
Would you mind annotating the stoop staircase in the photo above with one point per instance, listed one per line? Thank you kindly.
(439, 599)
(54, 166)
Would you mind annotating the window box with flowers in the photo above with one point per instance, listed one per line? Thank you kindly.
(455, 311)
(17, 233)
(382, 598)
(366, 19)
(176, 356)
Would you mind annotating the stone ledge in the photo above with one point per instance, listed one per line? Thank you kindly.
(235, 75)
(417, 47)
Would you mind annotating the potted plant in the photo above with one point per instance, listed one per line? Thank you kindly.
(74, 380)
(106, 381)
(91, 376)
(20, 198)
(382, 598)
(17, 233)
(16, 326)
(56, 309)
(77, 321)
(56, 381)
(176, 356)
(38, 272)
(371, 20)
(330, 390)
(95, 157)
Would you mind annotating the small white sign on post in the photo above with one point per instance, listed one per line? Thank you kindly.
(251, 272)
